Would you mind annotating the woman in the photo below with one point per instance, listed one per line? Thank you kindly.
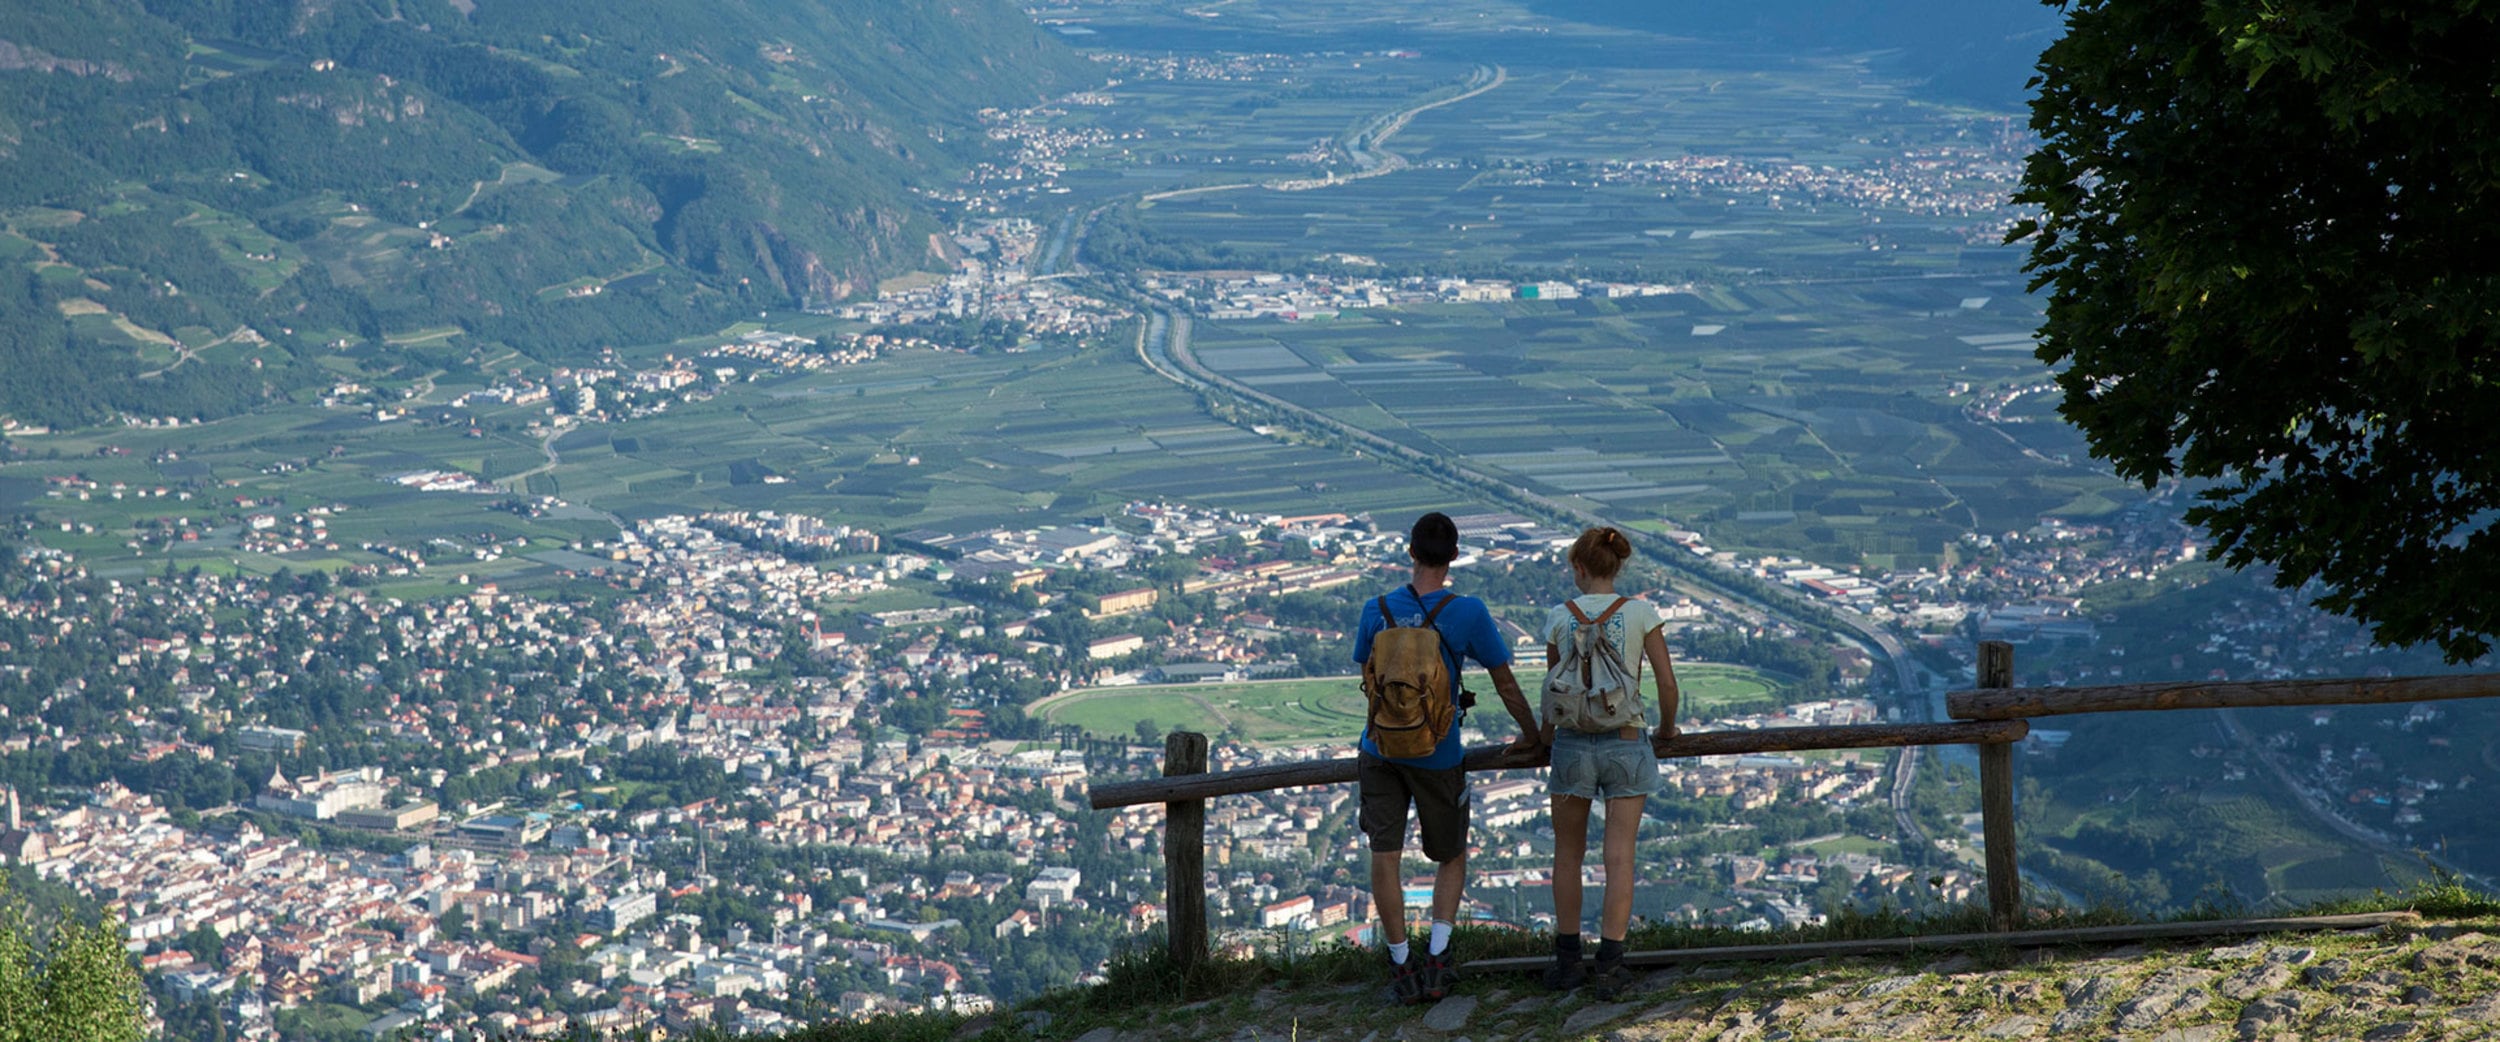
(1618, 766)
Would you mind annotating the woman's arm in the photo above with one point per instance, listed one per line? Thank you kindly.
(1545, 728)
(1670, 697)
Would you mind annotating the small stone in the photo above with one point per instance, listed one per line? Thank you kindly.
(2199, 1033)
(1592, 1016)
(2266, 1012)
(2326, 973)
(1823, 1020)
(2249, 950)
(2022, 993)
(2480, 1011)
(1667, 1010)
(1450, 1014)
(1658, 1023)
(2164, 995)
(2364, 991)
(1655, 982)
(2418, 995)
(1529, 1004)
(2252, 981)
(2457, 954)
(1906, 1025)
(2291, 956)
(1887, 986)
(2389, 1032)
(2079, 1017)
(2016, 1026)
(2090, 991)
(1719, 972)
(2088, 1004)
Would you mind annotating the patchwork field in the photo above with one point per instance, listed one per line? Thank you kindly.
(1846, 426)
(926, 439)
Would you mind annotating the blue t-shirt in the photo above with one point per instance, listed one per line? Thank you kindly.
(1467, 632)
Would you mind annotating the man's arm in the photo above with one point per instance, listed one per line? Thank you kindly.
(1531, 737)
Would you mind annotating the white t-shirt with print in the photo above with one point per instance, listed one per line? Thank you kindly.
(1627, 630)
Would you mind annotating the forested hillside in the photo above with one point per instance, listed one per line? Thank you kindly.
(202, 197)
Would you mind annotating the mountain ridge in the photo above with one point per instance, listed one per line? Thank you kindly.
(556, 180)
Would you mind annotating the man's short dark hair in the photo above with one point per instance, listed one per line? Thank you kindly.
(1434, 540)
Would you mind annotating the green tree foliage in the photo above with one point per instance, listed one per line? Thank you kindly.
(79, 986)
(2267, 231)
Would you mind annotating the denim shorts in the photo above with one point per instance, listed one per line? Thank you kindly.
(1602, 766)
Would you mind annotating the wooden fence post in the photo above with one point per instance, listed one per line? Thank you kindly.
(1185, 854)
(1996, 799)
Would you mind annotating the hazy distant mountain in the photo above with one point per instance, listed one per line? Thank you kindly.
(551, 175)
(1973, 50)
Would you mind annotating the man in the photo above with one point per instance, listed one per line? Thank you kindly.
(1434, 784)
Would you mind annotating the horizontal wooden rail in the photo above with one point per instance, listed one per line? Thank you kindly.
(2015, 703)
(1493, 758)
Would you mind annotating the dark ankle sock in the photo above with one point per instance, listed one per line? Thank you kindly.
(1567, 944)
(1609, 950)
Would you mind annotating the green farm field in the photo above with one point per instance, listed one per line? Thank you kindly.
(1842, 427)
(1830, 377)
(1304, 710)
(929, 439)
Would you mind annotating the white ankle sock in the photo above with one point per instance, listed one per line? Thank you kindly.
(1440, 936)
(1397, 952)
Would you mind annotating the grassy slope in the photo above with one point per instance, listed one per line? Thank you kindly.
(2310, 985)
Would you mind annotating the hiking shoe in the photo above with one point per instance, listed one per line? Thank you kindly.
(1406, 982)
(1439, 975)
(1566, 973)
(1609, 979)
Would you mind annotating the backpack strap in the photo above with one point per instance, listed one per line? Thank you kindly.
(1611, 609)
(1460, 697)
(1587, 668)
(1430, 612)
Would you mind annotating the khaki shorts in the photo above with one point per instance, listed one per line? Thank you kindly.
(1440, 798)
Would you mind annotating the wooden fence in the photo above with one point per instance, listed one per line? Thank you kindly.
(1992, 716)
